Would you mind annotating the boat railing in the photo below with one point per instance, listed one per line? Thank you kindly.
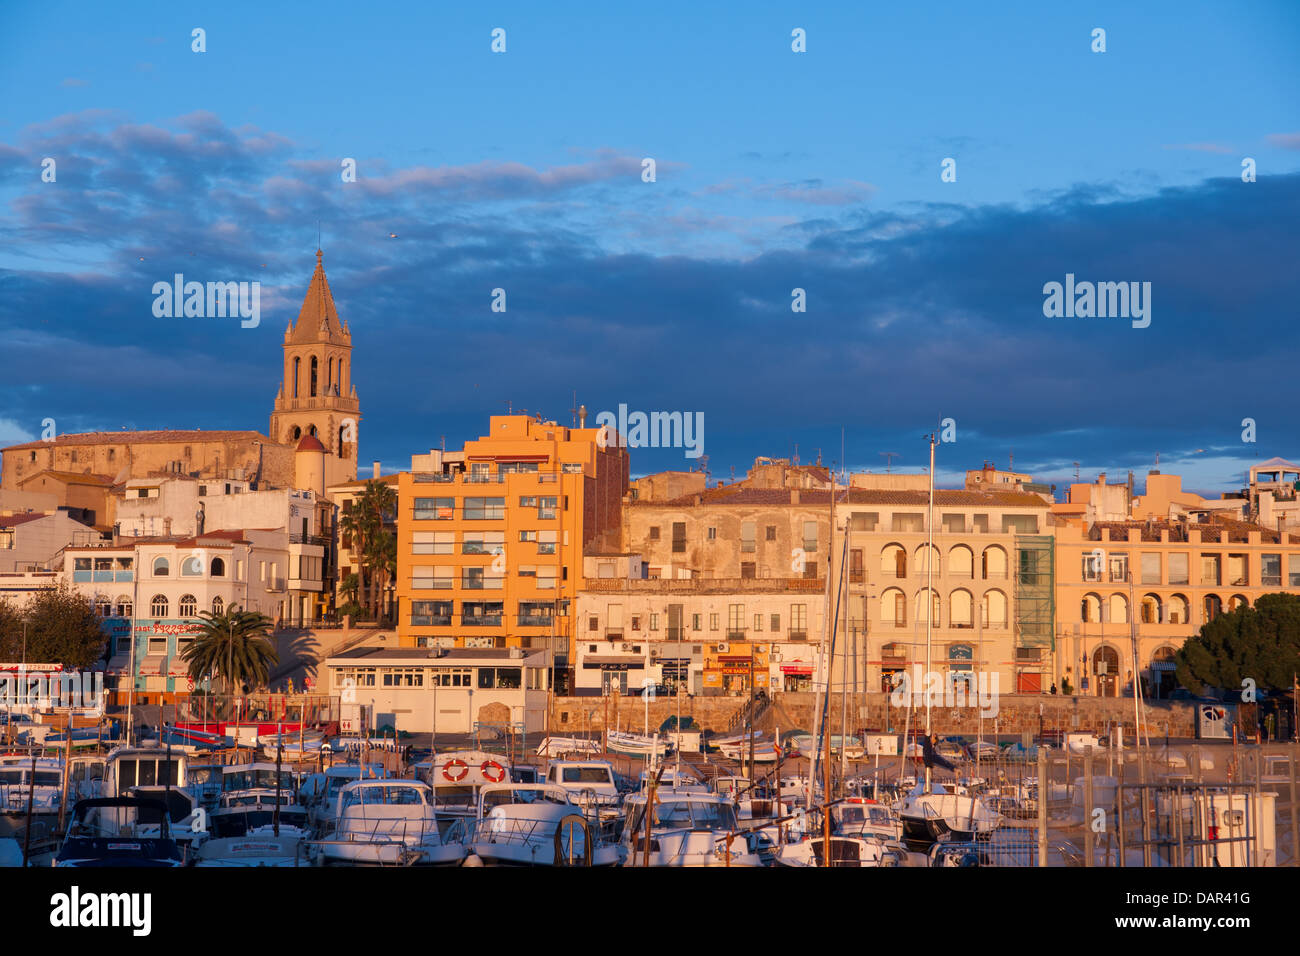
(510, 832)
(404, 855)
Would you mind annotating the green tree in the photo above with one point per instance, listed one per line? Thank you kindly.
(1260, 643)
(61, 628)
(235, 645)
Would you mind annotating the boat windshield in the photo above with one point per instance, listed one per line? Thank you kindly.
(699, 814)
(254, 779)
(586, 775)
(14, 776)
(501, 798)
(455, 796)
(370, 796)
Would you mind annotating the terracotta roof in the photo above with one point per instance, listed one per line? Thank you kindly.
(9, 521)
(739, 495)
(318, 320)
(310, 443)
(70, 477)
(1212, 531)
(139, 438)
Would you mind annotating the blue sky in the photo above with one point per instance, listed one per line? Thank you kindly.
(775, 170)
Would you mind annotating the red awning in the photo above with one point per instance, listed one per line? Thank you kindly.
(797, 669)
(151, 665)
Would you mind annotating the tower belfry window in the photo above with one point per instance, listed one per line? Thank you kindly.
(314, 370)
(296, 362)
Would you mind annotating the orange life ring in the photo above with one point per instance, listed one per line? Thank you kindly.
(459, 765)
(490, 767)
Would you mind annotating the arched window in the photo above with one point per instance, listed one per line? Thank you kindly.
(922, 614)
(218, 568)
(995, 563)
(893, 607)
(161, 567)
(342, 431)
(1213, 607)
(1236, 601)
(218, 606)
(1152, 612)
(961, 609)
(1179, 610)
(296, 362)
(961, 562)
(893, 561)
(192, 567)
(1118, 605)
(312, 391)
(922, 564)
(297, 433)
(994, 609)
(1090, 611)
(329, 377)
(311, 430)
(103, 606)
(189, 605)
(339, 381)
(158, 606)
(125, 606)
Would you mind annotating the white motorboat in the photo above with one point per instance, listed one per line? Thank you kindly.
(16, 784)
(389, 823)
(940, 815)
(590, 783)
(861, 817)
(536, 824)
(844, 851)
(560, 746)
(319, 791)
(258, 847)
(636, 744)
(686, 829)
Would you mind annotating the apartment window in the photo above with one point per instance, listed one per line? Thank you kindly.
(636, 622)
(203, 491)
(980, 524)
(485, 509)
(954, 524)
(435, 509)
(432, 579)
(864, 520)
(712, 534)
(912, 521)
(189, 606)
(735, 622)
(1210, 569)
(679, 537)
(593, 624)
(158, 606)
(654, 622)
(747, 569)
(431, 613)
(1293, 570)
(810, 568)
(758, 622)
(1178, 568)
(810, 537)
(1270, 570)
(774, 622)
(1238, 570)
(1118, 564)
(528, 501)
(747, 541)
(161, 567)
(477, 579)
(857, 570)
(714, 621)
(770, 534)
(546, 506)
(695, 622)
(798, 622)
(1019, 524)
(451, 676)
(1150, 567)
(900, 609)
(433, 542)
(546, 542)
(654, 533)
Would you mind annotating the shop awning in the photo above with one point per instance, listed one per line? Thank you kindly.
(152, 665)
(117, 664)
(178, 667)
(614, 662)
(797, 669)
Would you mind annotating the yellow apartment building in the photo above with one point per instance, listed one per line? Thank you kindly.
(1160, 581)
(489, 553)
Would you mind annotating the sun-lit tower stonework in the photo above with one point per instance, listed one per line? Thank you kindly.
(316, 397)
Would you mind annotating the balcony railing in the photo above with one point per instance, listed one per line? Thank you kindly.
(430, 620)
(316, 539)
(535, 620)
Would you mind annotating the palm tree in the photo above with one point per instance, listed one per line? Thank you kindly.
(236, 645)
(382, 559)
(376, 505)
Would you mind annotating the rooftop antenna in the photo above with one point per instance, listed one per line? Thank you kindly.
(819, 457)
(510, 409)
(733, 474)
(889, 457)
(841, 452)
(574, 410)
(795, 461)
(1011, 460)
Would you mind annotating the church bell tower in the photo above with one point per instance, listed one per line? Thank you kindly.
(316, 396)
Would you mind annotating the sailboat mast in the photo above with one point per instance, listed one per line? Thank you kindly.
(929, 596)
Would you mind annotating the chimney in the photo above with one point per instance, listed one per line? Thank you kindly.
(376, 466)
(1101, 479)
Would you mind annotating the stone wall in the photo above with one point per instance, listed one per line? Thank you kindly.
(1016, 713)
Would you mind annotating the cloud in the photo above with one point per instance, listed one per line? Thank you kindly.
(1284, 140)
(658, 297)
(72, 81)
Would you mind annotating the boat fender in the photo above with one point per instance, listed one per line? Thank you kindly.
(455, 770)
(492, 771)
(473, 860)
